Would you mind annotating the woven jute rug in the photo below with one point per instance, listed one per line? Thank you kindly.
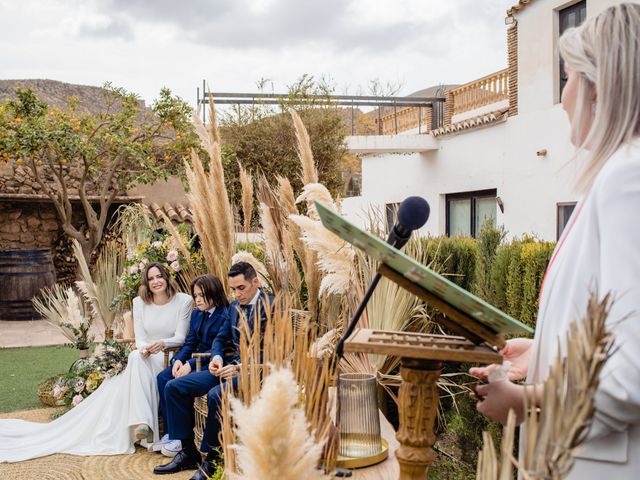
(138, 466)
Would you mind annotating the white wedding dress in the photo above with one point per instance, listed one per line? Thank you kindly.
(105, 421)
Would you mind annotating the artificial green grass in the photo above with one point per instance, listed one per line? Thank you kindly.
(23, 369)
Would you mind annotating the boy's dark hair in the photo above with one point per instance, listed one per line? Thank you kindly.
(212, 290)
(243, 268)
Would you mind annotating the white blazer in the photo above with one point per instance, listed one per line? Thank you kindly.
(600, 249)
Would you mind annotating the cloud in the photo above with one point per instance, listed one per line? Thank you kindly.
(108, 28)
(336, 25)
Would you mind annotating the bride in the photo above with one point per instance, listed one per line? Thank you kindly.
(124, 408)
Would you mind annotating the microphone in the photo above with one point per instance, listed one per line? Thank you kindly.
(412, 215)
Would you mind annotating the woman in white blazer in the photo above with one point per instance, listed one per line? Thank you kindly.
(600, 247)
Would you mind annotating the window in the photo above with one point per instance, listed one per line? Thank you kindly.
(468, 211)
(569, 17)
(391, 212)
(563, 215)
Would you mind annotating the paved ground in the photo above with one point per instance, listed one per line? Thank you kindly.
(33, 333)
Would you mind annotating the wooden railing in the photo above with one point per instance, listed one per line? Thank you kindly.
(484, 91)
(423, 118)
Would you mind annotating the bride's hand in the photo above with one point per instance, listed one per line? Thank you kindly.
(517, 351)
(155, 347)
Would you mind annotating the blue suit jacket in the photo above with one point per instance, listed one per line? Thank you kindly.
(202, 334)
(230, 333)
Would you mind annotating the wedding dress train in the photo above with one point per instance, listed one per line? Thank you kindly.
(105, 421)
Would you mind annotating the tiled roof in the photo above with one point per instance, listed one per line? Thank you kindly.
(177, 213)
(470, 123)
(521, 5)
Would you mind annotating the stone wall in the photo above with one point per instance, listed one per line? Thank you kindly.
(18, 179)
(28, 225)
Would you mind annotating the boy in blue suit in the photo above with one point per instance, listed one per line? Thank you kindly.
(207, 320)
(254, 304)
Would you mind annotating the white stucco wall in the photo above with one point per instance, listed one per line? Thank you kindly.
(501, 156)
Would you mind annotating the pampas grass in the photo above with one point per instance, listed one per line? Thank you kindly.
(309, 171)
(335, 256)
(62, 308)
(281, 261)
(273, 437)
(283, 347)
(246, 182)
(555, 431)
(101, 288)
(212, 213)
(133, 225)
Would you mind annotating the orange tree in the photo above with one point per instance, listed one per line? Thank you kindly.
(84, 161)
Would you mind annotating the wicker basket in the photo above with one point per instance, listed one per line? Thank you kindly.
(201, 409)
(45, 392)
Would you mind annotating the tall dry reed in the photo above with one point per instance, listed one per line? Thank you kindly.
(246, 182)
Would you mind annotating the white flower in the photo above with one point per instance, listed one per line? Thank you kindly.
(176, 266)
(145, 261)
(74, 315)
(156, 244)
(121, 284)
(172, 255)
(133, 269)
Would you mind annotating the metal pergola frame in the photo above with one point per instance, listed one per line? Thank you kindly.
(353, 101)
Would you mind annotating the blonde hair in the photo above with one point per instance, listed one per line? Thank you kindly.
(605, 53)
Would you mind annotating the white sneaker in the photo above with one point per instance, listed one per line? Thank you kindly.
(171, 448)
(157, 446)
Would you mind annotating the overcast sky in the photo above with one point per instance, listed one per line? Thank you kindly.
(143, 45)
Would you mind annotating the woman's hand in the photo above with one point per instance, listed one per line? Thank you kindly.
(517, 351)
(497, 398)
(152, 348)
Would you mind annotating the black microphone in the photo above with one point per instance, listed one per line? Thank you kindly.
(412, 215)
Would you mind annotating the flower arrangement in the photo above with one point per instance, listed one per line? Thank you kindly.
(161, 251)
(86, 375)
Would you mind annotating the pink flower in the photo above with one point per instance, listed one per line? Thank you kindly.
(133, 269)
(57, 392)
(176, 266)
(156, 244)
(141, 265)
(79, 386)
(76, 400)
(121, 284)
(172, 256)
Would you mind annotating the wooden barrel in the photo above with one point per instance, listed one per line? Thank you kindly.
(23, 273)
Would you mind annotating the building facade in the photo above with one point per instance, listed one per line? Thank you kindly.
(503, 154)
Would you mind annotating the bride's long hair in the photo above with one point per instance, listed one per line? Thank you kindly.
(605, 53)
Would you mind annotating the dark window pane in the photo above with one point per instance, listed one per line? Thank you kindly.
(570, 17)
(564, 214)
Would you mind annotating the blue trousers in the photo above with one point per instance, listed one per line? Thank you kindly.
(179, 394)
(210, 438)
(163, 378)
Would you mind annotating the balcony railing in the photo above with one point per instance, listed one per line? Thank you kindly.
(424, 118)
(389, 115)
(479, 93)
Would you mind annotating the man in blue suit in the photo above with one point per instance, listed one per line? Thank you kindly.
(207, 320)
(254, 304)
